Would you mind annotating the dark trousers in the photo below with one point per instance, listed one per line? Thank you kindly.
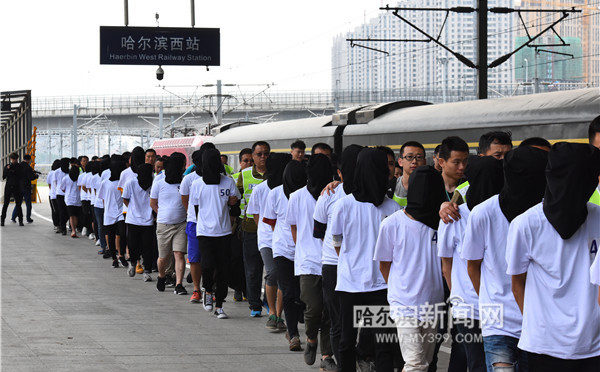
(384, 351)
(472, 344)
(63, 214)
(15, 192)
(547, 363)
(54, 208)
(140, 244)
(214, 257)
(316, 316)
(332, 303)
(112, 231)
(237, 274)
(289, 285)
(99, 214)
(86, 215)
(27, 201)
(253, 267)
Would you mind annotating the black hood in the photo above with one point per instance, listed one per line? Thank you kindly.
(74, 173)
(145, 175)
(138, 157)
(55, 164)
(319, 173)
(294, 177)
(117, 166)
(198, 161)
(174, 168)
(371, 176)
(276, 163)
(212, 168)
(64, 165)
(486, 179)
(348, 165)
(426, 192)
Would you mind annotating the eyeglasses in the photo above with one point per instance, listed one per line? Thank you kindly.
(410, 158)
(261, 154)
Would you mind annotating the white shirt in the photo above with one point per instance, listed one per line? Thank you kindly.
(170, 207)
(358, 223)
(95, 183)
(113, 202)
(308, 252)
(415, 278)
(450, 239)
(83, 195)
(158, 177)
(561, 314)
(485, 238)
(595, 268)
(49, 181)
(276, 209)
(71, 190)
(324, 214)
(186, 185)
(105, 174)
(139, 211)
(213, 211)
(256, 206)
(88, 182)
(56, 181)
(126, 175)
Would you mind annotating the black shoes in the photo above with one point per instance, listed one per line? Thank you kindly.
(180, 290)
(21, 223)
(310, 353)
(115, 263)
(160, 284)
(123, 261)
(188, 278)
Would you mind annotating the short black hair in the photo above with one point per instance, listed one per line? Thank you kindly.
(13, 155)
(225, 156)
(411, 144)
(452, 143)
(73, 161)
(94, 158)
(245, 151)
(436, 151)
(594, 128)
(298, 144)
(161, 158)
(26, 157)
(322, 146)
(126, 156)
(151, 150)
(535, 141)
(500, 137)
(261, 143)
(83, 156)
(387, 151)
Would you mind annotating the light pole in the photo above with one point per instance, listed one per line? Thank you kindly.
(526, 73)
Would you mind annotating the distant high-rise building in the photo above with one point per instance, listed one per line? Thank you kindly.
(414, 68)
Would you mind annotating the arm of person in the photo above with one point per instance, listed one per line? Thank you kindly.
(154, 205)
(330, 188)
(126, 202)
(185, 199)
(232, 200)
(449, 212)
(474, 271)
(384, 267)
(518, 289)
(447, 270)
(256, 218)
(294, 229)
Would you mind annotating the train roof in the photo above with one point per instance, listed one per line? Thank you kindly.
(319, 126)
(573, 106)
(195, 141)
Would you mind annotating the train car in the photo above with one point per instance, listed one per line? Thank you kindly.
(185, 145)
(556, 116)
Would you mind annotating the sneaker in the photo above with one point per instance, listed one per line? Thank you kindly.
(238, 296)
(310, 353)
(195, 297)
(98, 243)
(180, 290)
(92, 236)
(327, 364)
(147, 277)
(188, 278)
(13, 221)
(365, 366)
(255, 313)
(115, 264)
(106, 254)
(169, 281)
(21, 223)
(220, 314)
(208, 301)
(295, 344)
(160, 284)
(30, 221)
(55, 228)
(139, 269)
(131, 270)
(1, 223)
(123, 261)
(272, 322)
(84, 231)
(281, 325)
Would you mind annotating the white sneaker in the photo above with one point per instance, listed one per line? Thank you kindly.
(147, 277)
(220, 314)
(207, 301)
(92, 236)
(98, 243)
(84, 231)
(131, 270)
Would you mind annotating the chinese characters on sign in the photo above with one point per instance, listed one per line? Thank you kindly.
(159, 46)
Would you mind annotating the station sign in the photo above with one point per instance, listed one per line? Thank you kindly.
(160, 46)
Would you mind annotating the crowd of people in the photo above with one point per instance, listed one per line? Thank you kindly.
(17, 177)
(379, 257)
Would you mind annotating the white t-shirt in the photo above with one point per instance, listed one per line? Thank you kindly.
(595, 268)
(463, 295)
(170, 207)
(105, 174)
(213, 211)
(324, 214)
(71, 190)
(57, 180)
(88, 182)
(158, 177)
(415, 278)
(276, 209)
(95, 183)
(139, 211)
(113, 202)
(83, 195)
(49, 180)
(308, 252)
(561, 314)
(485, 238)
(358, 224)
(256, 206)
(126, 175)
(186, 185)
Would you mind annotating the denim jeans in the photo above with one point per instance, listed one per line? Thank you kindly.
(469, 336)
(503, 349)
(99, 213)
